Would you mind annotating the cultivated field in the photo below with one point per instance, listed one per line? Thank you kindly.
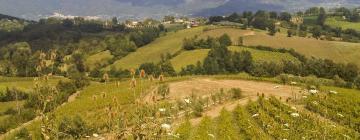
(334, 50)
(336, 22)
(24, 84)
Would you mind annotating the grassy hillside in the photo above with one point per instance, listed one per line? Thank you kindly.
(334, 50)
(192, 57)
(188, 58)
(232, 32)
(101, 58)
(25, 84)
(266, 56)
(336, 22)
(170, 43)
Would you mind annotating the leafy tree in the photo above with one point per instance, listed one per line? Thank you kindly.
(303, 27)
(285, 16)
(114, 21)
(273, 15)
(150, 68)
(322, 17)
(213, 19)
(272, 29)
(20, 56)
(167, 68)
(225, 40)
(234, 17)
(316, 32)
(78, 59)
(242, 61)
(354, 17)
(290, 33)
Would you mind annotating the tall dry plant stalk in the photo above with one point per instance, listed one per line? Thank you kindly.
(142, 76)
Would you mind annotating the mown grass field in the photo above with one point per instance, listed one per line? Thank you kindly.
(188, 58)
(24, 84)
(338, 51)
(6, 105)
(265, 56)
(338, 22)
(170, 43)
(98, 59)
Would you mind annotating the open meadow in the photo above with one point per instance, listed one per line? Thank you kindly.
(337, 22)
(170, 43)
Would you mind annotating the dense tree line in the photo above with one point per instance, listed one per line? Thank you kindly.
(209, 42)
(20, 50)
(163, 67)
(222, 61)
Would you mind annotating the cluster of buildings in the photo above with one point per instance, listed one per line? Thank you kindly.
(149, 22)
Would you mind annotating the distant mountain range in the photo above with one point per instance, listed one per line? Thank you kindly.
(124, 9)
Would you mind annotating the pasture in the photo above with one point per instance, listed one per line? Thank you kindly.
(337, 22)
(170, 43)
(189, 58)
(99, 59)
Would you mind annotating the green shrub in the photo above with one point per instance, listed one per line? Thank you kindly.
(11, 94)
(163, 90)
(236, 93)
(23, 134)
(198, 109)
(73, 128)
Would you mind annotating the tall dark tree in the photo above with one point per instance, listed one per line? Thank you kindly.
(225, 40)
(273, 15)
(322, 17)
(272, 29)
(285, 16)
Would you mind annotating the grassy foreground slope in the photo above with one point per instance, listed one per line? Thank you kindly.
(334, 50)
(336, 22)
(171, 43)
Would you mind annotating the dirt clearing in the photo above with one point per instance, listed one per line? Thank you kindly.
(205, 87)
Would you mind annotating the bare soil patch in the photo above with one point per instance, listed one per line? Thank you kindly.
(204, 87)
